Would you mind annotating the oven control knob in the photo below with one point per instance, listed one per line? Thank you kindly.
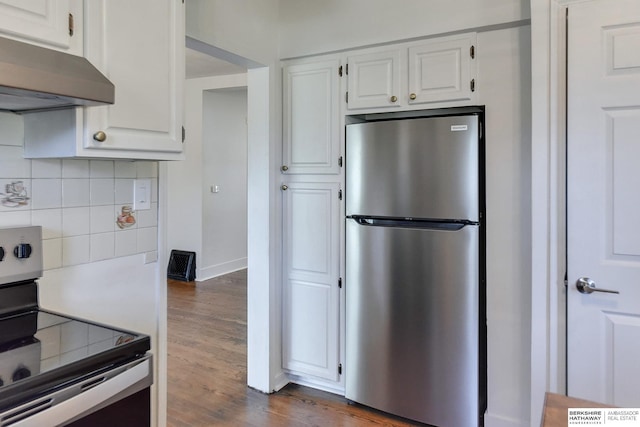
(23, 250)
(1, 258)
(20, 374)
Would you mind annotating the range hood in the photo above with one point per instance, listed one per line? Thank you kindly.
(33, 78)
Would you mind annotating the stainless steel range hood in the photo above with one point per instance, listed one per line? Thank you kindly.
(33, 78)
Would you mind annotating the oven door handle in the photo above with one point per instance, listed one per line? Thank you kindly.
(89, 396)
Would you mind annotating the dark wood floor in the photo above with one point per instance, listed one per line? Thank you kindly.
(207, 334)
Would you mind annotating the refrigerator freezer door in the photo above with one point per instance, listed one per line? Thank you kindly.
(414, 168)
(413, 322)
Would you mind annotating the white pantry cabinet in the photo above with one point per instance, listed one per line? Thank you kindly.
(414, 75)
(311, 321)
(48, 23)
(311, 116)
(139, 46)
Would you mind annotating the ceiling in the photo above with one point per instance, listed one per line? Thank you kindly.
(203, 65)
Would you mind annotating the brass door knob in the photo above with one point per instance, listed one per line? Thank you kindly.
(284, 168)
(100, 136)
(412, 96)
(284, 187)
(394, 98)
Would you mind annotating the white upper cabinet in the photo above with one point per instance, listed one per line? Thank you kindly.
(440, 70)
(43, 22)
(311, 106)
(374, 79)
(421, 74)
(139, 46)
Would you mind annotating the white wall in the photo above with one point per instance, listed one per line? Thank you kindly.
(247, 28)
(224, 225)
(311, 27)
(189, 200)
(504, 83)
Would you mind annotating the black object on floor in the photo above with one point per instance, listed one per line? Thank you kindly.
(182, 266)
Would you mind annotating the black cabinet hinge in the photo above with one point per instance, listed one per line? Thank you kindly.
(184, 133)
(71, 25)
(340, 161)
(339, 194)
(340, 282)
(472, 52)
(339, 368)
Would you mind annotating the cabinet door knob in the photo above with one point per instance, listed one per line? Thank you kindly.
(284, 187)
(394, 98)
(100, 136)
(284, 168)
(412, 96)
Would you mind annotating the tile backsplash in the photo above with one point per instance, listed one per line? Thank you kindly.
(85, 207)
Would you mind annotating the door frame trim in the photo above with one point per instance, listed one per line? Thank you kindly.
(548, 293)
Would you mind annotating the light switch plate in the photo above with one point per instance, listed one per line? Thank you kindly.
(141, 194)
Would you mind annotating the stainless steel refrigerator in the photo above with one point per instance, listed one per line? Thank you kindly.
(415, 288)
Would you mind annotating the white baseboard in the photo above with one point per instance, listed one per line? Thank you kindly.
(220, 269)
(328, 386)
(280, 381)
(492, 420)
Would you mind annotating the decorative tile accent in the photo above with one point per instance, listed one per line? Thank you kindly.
(126, 218)
(14, 194)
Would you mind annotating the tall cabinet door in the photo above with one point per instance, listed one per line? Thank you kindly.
(311, 142)
(40, 21)
(311, 271)
(139, 46)
(374, 80)
(442, 70)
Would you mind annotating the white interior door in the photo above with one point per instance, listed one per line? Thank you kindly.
(603, 337)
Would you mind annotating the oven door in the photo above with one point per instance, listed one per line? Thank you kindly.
(75, 403)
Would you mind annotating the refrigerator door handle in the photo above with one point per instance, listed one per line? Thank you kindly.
(410, 223)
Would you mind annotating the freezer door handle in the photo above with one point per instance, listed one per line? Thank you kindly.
(410, 223)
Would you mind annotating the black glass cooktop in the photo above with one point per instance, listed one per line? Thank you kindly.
(41, 350)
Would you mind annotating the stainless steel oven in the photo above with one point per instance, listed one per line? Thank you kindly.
(57, 370)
